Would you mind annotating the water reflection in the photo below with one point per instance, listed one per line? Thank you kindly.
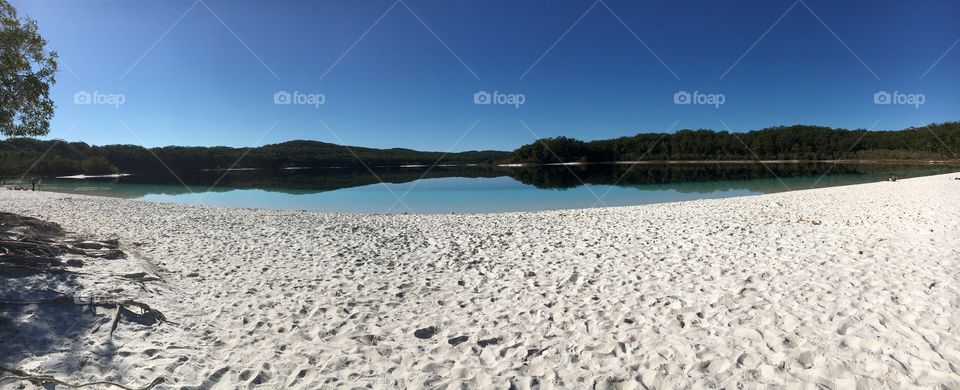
(313, 180)
(484, 188)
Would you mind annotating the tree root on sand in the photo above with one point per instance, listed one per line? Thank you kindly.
(24, 238)
(31, 247)
(44, 380)
(144, 314)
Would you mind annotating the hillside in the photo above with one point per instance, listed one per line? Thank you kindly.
(933, 142)
(67, 158)
(936, 142)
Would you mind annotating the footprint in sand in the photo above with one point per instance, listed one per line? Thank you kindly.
(491, 341)
(454, 341)
(426, 333)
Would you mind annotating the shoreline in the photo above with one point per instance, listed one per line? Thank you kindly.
(531, 165)
(838, 286)
(477, 211)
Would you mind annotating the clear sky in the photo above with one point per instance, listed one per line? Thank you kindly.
(405, 74)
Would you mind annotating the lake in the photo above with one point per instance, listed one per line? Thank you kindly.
(482, 189)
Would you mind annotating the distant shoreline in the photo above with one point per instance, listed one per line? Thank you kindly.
(652, 162)
(776, 145)
(532, 165)
(792, 162)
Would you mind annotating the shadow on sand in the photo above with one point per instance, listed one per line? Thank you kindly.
(43, 313)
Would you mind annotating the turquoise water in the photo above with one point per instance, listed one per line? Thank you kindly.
(482, 190)
(464, 195)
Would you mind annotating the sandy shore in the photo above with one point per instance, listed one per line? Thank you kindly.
(846, 287)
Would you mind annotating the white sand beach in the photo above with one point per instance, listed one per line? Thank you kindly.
(845, 288)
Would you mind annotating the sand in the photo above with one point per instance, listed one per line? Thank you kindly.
(844, 287)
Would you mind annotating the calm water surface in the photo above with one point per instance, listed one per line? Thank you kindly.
(482, 189)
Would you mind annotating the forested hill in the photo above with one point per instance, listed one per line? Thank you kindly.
(933, 142)
(68, 158)
(936, 141)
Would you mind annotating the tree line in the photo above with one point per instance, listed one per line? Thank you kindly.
(27, 156)
(809, 143)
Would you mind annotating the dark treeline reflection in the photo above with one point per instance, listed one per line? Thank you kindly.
(687, 178)
(288, 181)
(711, 177)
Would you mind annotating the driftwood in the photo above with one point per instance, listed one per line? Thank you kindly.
(144, 314)
(44, 380)
(30, 247)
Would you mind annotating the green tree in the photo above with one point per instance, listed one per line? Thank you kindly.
(26, 73)
(97, 166)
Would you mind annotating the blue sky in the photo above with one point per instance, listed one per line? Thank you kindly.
(205, 73)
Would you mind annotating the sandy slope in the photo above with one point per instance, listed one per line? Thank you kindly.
(714, 293)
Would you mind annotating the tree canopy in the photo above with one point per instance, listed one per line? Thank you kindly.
(808, 143)
(800, 142)
(57, 157)
(27, 72)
